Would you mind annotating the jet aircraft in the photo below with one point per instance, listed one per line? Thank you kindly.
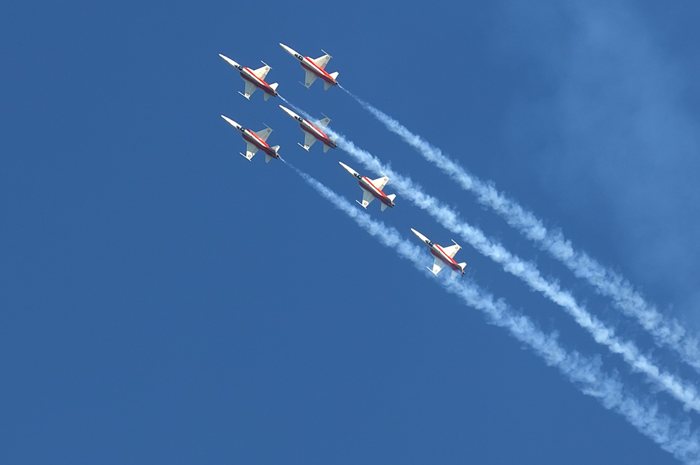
(255, 141)
(315, 68)
(371, 189)
(254, 79)
(442, 255)
(312, 132)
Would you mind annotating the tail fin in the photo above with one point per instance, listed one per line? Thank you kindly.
(326, 85)
(276, 148)
(462, 265)
(392, 197)
(274, 87)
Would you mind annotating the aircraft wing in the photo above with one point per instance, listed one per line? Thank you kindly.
(249, 89)
(262, 72)
(250, 150)
(310, 78)
(264, 134)
(324, 122)
(379, 183)
(367, 198)
(451, 250)
(309, 139)
(438, 265)
(321, 62)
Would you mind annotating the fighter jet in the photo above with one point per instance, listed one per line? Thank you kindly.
(315, 68)
(254, 79)
(311, 132)
(442, 255)
(371, 189)
(255, 141)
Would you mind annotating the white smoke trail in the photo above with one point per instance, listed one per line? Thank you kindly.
(672, 436)
(684, 392)
(665, 331)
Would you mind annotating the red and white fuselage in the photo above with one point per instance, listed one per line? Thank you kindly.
(312, 133)
(254, 79)
(442, 255)
(371, 189)
(315, 68)
(255, 141)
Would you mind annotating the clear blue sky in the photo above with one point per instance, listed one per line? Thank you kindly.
(163, 300)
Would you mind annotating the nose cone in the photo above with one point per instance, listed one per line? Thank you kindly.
(348, 169)
(230, 61)
(420, 236)
(289, 50)
(289, 112)
(232, 123)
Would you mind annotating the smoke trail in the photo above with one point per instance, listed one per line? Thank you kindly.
(684, 392)
(606, 281)
(672, 436)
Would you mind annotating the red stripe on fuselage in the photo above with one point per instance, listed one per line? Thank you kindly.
(258, 82)
(377, 193)
(320, 134)
(449, 261)
(259, 143)
(314, 68)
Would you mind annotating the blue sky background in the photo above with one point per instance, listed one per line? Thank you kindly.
(163, 300)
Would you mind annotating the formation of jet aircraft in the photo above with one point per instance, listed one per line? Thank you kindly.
(371, 188)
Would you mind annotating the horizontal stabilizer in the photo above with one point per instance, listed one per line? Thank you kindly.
(267, 158)
(326, 85)
(325, 148)
(266, 96)
(383, 207)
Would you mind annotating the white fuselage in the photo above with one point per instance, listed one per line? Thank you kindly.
(248, 75)
(250, 136)
(437, 251)
(308, 64)
(366, 184)
(307, 126)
